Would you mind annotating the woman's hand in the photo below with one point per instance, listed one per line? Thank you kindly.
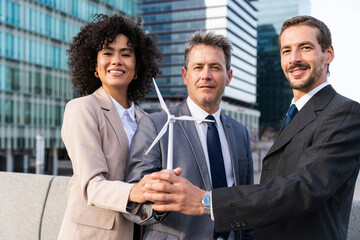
(138, 190)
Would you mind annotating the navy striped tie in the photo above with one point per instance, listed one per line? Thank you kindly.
(217, 168)
(290, 114)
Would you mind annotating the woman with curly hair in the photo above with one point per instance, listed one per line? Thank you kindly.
(112, 62)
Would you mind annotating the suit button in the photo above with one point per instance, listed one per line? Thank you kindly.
(143, 216)
(238, 225)
(243, 224)
(232, 225)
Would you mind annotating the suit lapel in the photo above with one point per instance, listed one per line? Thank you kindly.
(112, 116)
(301, 120)
(138, 114)
(304, 117)
(190, 132)
(232, 147)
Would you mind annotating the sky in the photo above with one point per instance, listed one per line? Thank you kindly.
(343, 20)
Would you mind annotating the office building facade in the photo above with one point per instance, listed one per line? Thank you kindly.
(34, 80)
(274, 92)
(173, 22)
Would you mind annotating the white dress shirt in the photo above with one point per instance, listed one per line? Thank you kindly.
(128, 119)
(304, 99)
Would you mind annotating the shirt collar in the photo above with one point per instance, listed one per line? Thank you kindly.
(304, 99)
(198, 112)
(121, 110)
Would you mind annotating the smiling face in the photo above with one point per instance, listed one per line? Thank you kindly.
(302, 60)
(116, 67)
(206, 76)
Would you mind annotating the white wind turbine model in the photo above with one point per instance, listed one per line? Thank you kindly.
(170, 122)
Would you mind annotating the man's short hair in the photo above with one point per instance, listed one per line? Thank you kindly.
(210, 39)
(323, 37)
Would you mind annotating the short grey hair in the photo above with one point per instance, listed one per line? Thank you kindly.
(210, 39)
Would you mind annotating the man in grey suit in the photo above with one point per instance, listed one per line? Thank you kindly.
(206, 74)
(309, 174)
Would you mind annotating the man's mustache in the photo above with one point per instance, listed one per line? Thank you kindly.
(298, 65)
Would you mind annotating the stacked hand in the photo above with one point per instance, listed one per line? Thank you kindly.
(138, 190)
(170, 192)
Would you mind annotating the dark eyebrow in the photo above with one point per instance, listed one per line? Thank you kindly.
(121, 50)
(306, 43)
(197, 65)
(300, 44)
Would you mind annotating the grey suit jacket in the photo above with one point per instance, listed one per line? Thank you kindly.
(188, 155)
(307, 180)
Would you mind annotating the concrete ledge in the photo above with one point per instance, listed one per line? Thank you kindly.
(32, 207)
(54, 208)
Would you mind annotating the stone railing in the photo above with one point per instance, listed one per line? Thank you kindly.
(32, 207)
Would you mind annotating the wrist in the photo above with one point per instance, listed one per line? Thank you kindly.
(133, 194)
(206, 202)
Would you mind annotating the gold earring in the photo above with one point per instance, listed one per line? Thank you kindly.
(136, 76)
(96, 74)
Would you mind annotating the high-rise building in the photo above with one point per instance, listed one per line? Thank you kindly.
(173, 22)
(274, 92)
(34, 81)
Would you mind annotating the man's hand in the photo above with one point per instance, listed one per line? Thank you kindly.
(174, 193)
(138, 190)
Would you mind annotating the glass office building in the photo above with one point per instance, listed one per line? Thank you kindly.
(34, 80)
(173, 22)
(274, 92)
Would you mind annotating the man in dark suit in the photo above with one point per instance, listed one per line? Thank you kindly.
(309, 174)
(206, 74)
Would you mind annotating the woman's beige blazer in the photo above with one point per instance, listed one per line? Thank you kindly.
(97, 146)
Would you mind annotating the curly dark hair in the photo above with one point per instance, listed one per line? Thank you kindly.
(96, 35)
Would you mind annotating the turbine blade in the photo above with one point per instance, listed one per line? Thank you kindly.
(162, 102)
(161, 133)
(188, 118)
